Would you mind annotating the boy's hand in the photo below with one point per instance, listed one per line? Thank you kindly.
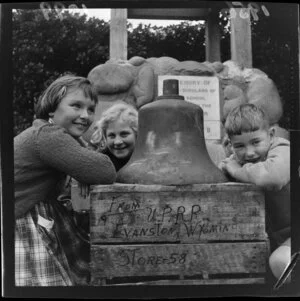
(231, 166)
(223, 164)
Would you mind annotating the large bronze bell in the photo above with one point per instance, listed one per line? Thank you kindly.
(170, 147)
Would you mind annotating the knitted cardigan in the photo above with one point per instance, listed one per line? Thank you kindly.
(44, 155)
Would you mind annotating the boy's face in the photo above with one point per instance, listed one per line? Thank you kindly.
(252, 147)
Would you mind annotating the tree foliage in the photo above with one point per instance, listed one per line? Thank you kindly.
(183, 41)
(274, 47)
(274, 51)
(44, 49)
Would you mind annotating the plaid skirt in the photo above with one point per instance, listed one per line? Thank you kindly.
(50, 250)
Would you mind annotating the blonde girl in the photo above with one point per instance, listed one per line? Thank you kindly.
(116, 132)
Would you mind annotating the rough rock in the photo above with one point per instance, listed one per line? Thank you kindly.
(263, 93)
(142, 88)
(135, 81)
(233, 97)
(232, 69)
(250, 74)
(136, 60)
(192, 68)
(123, 81)
(162, 65)
(255, 86)
(217, 66)
(112, 78)
(231, 104)
(232, 91)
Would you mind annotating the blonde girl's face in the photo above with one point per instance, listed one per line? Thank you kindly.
(120, 139)
(75, 112)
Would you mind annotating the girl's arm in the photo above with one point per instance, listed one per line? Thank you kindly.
(61, 151)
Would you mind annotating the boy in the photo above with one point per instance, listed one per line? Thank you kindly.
(263, 159)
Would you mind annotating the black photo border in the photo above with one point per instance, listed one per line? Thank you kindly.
(120, 292)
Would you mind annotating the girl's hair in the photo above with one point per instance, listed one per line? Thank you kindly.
(120, 111)
(245, 118)
(52, 96)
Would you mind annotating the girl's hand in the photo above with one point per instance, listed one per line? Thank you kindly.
(84, 190)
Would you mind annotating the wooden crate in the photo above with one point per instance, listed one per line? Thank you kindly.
(193, 234)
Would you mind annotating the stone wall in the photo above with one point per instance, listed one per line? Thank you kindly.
(134, 81)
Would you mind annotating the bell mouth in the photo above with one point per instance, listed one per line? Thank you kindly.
(166, 168)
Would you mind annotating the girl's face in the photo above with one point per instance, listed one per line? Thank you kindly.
(120, 139)
(75, 112)
(252, 147)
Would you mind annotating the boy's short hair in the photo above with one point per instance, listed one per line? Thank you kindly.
(123, 111)
(52, 96)
(245, 118)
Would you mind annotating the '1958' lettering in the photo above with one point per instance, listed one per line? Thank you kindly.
(131, 257)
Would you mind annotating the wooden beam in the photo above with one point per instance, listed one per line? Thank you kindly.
(168, 13)
(207, 260)
(118, 34)
(212, 37)
(241, 46)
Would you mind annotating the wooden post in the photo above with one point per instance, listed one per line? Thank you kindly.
(6, 145)
(241, 47)
(212, 37)
(118, 34)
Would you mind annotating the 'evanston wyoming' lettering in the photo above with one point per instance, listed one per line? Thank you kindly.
(155, 231)
(130, 220)
(182, 230)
